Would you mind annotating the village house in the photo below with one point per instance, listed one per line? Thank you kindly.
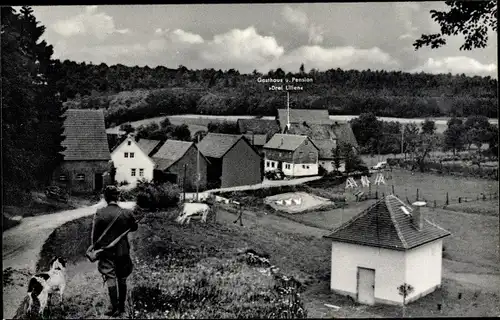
(86, 155)
(233, 161)
(309, 116)
(258, 131)
(149, 146)
(180, 162)
(385, 246)
(132, 163)
(295, 155)
(257, 141)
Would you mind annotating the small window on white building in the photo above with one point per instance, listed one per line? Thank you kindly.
(132, 172)
(141, 172)
(129, 142)
(80, 177)
(63, 177)
(307, 167)
(303, 166)
(267, 164)
(126, 155)
(272, 164)
(131, 154)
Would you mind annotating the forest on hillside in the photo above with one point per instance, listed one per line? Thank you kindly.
(135, 93)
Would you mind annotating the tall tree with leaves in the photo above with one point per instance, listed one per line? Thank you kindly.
(472, 19)
(454, 135)
(428, 127)
(32, 111)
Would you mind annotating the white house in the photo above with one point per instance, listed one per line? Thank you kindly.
(132, 162)
(387, 245)
(295, 155)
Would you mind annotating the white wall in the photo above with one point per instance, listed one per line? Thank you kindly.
(298, 170)
(389, 268)
(124, 165)
(423, 267)
(268, 165)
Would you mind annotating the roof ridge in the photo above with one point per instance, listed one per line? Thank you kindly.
(393, 219)
(435, 225)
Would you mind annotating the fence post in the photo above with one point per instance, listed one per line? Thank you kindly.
(392, 189)
(447, 199)
(417, 194)
(459, 199)
(484, 197)
(434, 203)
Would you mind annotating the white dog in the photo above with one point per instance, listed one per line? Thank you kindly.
(42, 285)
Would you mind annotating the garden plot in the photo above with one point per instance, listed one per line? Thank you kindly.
(295, 202)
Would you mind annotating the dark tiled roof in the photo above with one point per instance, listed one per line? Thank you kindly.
(325, 148)
(170, 153)
(85, 135)
(344, 133)
(288, 142)
(303, 115)
(215, 145)
(258, 126)
(147, 145)
(314, 131)
(258, 139)
(385, 225)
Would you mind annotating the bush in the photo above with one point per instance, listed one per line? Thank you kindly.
(153, 197)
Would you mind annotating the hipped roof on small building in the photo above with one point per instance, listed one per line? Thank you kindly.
(85, 135)
(288, 142)
(216, 145)
(386, 225)
(344, 133)
(147, 145)
(258, 126)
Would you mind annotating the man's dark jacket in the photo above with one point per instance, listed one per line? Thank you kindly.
(125, 221)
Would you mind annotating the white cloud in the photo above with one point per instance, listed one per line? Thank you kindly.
(299, 19)
(456, 65)
(90, 22)
(335, 57)
(184, 36)
(245, 47)
(406, 12)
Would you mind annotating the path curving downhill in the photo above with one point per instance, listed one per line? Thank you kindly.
(22, 245)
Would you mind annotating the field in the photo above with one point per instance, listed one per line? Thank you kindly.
(294, 243)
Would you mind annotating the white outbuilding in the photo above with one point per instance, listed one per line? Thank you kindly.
(388, 245)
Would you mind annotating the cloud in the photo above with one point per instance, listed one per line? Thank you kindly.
(245, 47)
(299, 19)
(184, 36)
(322, 58)
(456, 65)
(406, 13)
(91, 22)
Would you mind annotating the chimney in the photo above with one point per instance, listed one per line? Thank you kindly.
(418, 214)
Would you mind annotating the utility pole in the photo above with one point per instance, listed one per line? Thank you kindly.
(288, 110)
(197, 169)
(184, 183)
(402, 137)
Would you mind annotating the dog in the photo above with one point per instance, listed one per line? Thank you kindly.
(42, 285)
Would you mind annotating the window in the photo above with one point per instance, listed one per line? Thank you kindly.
(131, 154)
(307, 167)
(272, 164)
(129, 142)
(267, 164)
(303, 166)
(287, 166)
(141, 172)
(132, 173)
(63, 177)
(126, 154)
(80, 177)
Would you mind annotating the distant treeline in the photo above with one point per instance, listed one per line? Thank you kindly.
(151, 92)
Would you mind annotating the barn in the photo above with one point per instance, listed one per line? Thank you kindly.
(86, 156)
(233, 161)
(180, 162)
(384, 247)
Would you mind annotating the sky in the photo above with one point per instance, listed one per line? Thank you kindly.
(376, 36)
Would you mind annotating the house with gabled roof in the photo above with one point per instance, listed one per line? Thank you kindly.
(383, 247)
(181, 162)
(258, 126)
(295, 155)
(132, 162)
(149, 146)
(86, 156)
(310, 116)
(233, 160)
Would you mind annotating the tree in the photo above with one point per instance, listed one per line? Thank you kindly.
(367, 129)
(181, 132)
(425, 144)
(32, 112)
(476, 130)
(472, 19)
(428, 127)
(454, 135)
(302, 69)
(405, 290)
(337, 157)
(410, 141)
(127, 127)
(352, 160)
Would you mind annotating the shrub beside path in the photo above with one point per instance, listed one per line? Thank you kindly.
(22, 245)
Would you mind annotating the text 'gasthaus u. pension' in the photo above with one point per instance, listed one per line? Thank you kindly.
(285, 84)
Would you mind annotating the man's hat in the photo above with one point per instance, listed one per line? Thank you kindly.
(111, 191)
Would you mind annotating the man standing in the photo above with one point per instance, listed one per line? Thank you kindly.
(114, 263)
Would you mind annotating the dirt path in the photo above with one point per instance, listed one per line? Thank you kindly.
(22, 245)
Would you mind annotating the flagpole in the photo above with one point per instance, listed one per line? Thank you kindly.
(197, 169)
